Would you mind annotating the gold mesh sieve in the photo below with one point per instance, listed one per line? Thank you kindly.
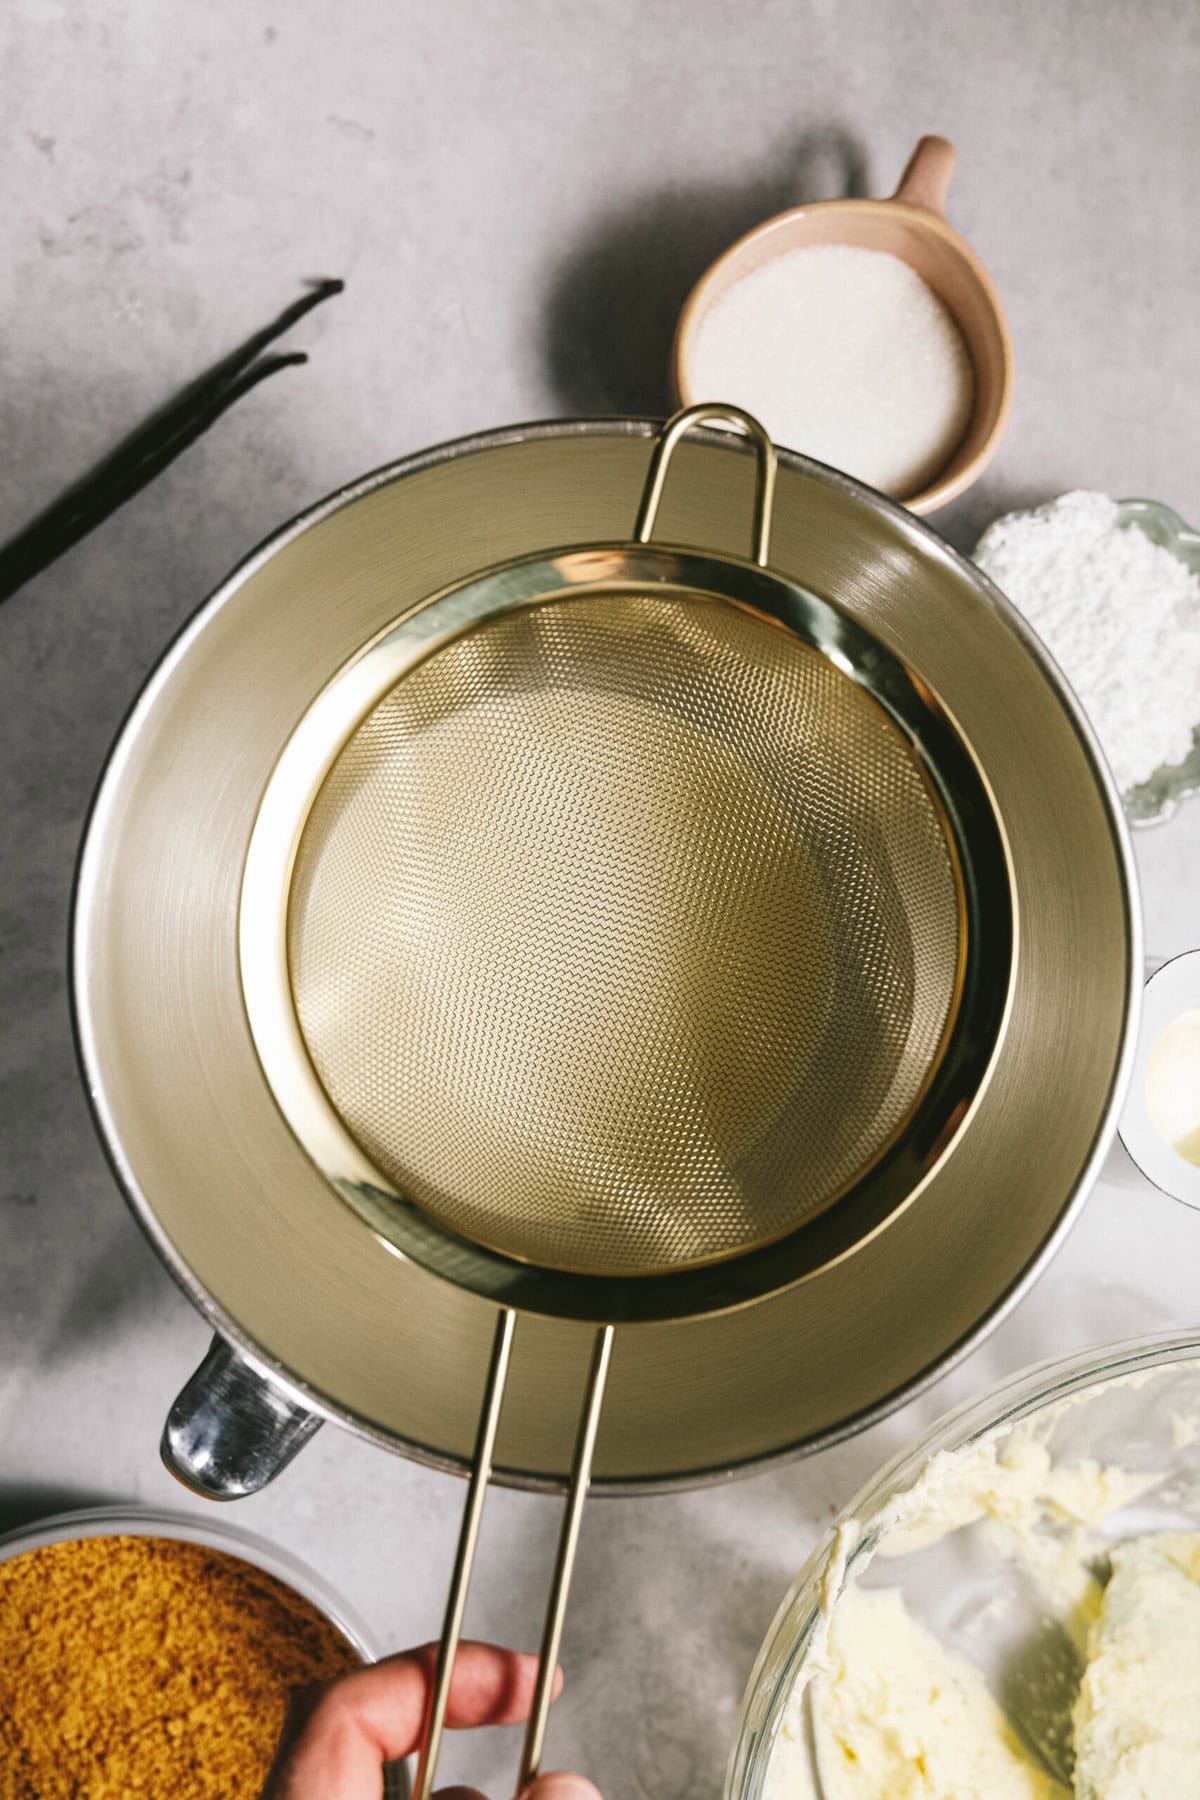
(603, 923)
(623, 933)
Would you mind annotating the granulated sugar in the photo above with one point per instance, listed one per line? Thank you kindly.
(844, 354)
(1119, 614)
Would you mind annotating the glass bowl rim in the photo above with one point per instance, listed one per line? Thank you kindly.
(234, 1540)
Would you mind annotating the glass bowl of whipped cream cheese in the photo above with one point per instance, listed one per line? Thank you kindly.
(1011, 1610)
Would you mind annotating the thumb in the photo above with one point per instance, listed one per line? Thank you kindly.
(560, 1786)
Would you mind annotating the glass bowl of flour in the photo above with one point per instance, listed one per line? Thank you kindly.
(1112, 587)
(1009, 1611)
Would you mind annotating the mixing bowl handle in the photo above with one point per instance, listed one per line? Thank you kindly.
(231, 1430)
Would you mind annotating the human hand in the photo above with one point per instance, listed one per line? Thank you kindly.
(338, 1735)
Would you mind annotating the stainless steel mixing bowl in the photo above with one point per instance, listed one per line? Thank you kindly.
(335, 1324)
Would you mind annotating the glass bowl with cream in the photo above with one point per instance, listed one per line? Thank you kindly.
(1010, 1611)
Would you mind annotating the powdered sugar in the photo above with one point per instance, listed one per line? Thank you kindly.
(1121, 617)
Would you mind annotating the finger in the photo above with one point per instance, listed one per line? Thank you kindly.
(343, 1731)
(560, 1786)
(491, 1686)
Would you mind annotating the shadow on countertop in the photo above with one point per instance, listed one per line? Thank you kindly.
(25, 1505)
(611, 313)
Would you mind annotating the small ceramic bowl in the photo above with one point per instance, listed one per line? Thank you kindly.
(1171, 995)
(912, 226)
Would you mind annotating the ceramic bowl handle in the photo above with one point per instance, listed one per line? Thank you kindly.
(231, 1430)
(926, 180)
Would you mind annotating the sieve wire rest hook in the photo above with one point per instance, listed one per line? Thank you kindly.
(664, 449)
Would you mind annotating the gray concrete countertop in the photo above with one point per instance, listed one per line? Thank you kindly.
(518, 193)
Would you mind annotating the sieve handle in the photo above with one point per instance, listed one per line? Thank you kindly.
(468, 1538)
(664, 449)
(564, 1562)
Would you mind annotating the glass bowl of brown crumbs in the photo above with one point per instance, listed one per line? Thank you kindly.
(151, 1653)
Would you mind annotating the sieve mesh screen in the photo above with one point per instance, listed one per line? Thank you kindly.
(624, 933)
